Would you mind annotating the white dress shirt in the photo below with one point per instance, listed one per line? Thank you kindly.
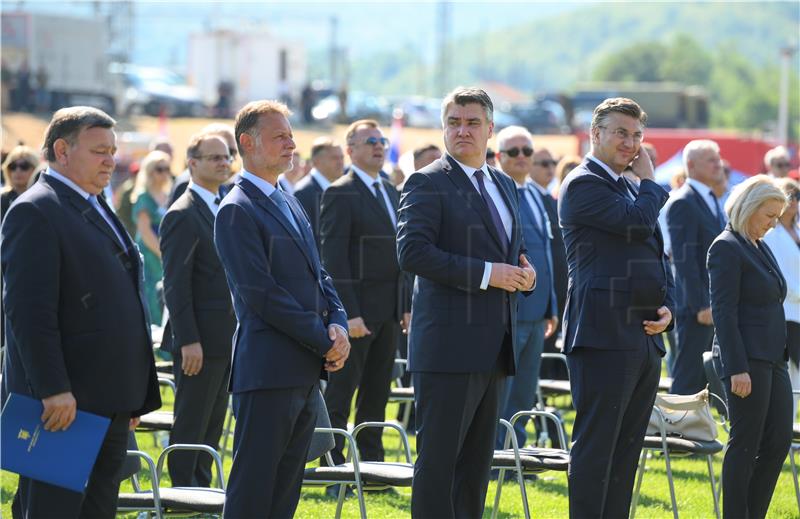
(323, 182)
(207, 196)
(787, 253)
(705, 193)
(610, 172)
(497, 198)
(369, 182)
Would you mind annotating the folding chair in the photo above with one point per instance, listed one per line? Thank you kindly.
(676, 446)
(404, 395)
(527, 460)
(792, 450)
(163, 501)
(158, 421)
(365, 475)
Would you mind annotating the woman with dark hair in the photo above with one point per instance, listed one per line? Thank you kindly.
(747, 293)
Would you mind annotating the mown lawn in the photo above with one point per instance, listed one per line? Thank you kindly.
(547, 495)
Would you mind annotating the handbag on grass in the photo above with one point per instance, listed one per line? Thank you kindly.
(687, 416)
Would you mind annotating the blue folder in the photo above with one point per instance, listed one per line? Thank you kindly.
(63, 458)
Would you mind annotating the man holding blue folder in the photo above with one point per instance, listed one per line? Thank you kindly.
(77, 327)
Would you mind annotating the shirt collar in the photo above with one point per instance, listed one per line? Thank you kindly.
(470, 171)
(365, 178)
(207, 196)
(61, 178)
(542, 190)
(699, 186)
(323, 182)
(604, 166)
(259, 182)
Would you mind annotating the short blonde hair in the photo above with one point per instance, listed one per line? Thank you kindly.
(18, 152)
(747, 197)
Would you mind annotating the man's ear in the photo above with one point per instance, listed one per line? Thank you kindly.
(246, 143)
(60, 150)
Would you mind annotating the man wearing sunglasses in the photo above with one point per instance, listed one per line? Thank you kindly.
(358, 222)
(459, 233)
(777, 162)
(543, 168)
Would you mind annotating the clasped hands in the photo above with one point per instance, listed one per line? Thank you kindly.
(510, 278)
(340, 350)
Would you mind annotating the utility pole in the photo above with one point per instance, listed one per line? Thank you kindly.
(787, 53)
(443, 69)
(334, 52)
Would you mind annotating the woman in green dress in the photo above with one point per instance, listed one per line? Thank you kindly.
(149, 201)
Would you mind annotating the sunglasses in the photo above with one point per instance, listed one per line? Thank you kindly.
(782, 164)
(161, 169)
(546, 163)
(372, 141)
(513, 152)
(216, 158)
(23, 165)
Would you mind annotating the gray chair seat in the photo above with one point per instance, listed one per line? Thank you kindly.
(177, 499)
(372, 473)
(164, 367)
(678, 445)
(796, 433)
(402, 392)
(532, 459)
(156, 421)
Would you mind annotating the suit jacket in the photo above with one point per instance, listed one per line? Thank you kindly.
(283, 298)
(309, 193)
(195, 289)
(747, 293)
(445, 235)
(559, 253)
(618, 274)
(692, 228)
(77, 317)
(541, 303)
(359, 248)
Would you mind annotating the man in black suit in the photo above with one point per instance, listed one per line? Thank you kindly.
(694, 218)
(328, 160)
(292, 328)
(619, 302)
(459, 233)
(201, 318)
(182, 181)
(542, 174)
(358, 223)
(77, 328)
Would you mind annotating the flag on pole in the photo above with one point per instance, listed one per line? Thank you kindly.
(396, 136)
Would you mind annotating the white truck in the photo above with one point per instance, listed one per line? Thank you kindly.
(70, 53)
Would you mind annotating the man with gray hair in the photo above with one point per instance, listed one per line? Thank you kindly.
(777, 162)
(694, 218)
(78, 330)
(459, 233)
(537, 315)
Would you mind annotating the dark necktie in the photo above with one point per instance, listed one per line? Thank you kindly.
(283, 205)
(624, 185)
(381, 200)
(720, 214)
(217, 200)
(498, 222)
(105, 214)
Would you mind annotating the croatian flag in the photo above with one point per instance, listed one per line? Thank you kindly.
(397, 133)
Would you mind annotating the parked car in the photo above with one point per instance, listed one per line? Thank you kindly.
(149, 90)
(359, 106)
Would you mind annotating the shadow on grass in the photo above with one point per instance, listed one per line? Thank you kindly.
(395, 500)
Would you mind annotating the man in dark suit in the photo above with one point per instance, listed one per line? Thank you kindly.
(619, 302)
(328, 160)
(291, 324)
(459, 233)
(77, 328)
(537, 316)
(182, 181)
(201, 319)
(358, 223)
(542, 174)
(694, 218)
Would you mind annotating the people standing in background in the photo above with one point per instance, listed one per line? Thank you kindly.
(777, 162)
(18, 167)
(149, 203)
(784, 241)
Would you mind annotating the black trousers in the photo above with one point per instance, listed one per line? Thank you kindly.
(200, 405)
(368, 369)
(45, 501)
(270, 445)
(761, 435)
(693, 338)
(457, 417)
(613, 392)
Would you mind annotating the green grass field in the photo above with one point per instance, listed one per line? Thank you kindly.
(547, 495)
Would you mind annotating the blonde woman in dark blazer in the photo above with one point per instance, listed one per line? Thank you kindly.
(747, 293)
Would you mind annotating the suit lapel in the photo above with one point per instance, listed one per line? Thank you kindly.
(711, 219)
(598, 170)
(202, 208)
(90, 213)
(372, 200)
(508, 197)
(474, 200)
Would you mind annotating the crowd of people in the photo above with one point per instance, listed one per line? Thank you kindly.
(272, 270)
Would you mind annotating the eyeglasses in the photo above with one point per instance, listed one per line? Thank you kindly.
(215, 158)
(796, 196)
(545, 163)
(782, 164)
(372, 141)
(513, 152)
(623, 135)
(161, 169)
(23, 165)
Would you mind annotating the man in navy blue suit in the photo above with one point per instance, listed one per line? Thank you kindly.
(537, 315)
(291, 325)
(618, 303)
(694, 218)
(459, 233)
